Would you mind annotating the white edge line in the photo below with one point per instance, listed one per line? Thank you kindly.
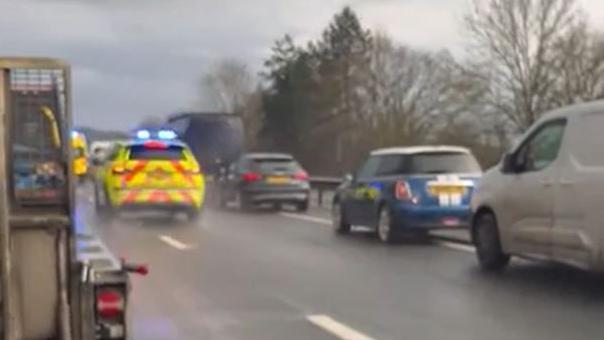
(324, 221)
(338, 329)
(173, 242)
(457, 246)
(307, 218)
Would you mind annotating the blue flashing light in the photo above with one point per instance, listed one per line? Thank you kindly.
(74, 134)
(166, 134)
(143, 134)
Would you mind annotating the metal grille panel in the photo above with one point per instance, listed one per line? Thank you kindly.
(38, 138)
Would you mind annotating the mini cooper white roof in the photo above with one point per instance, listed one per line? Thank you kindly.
(419, 149)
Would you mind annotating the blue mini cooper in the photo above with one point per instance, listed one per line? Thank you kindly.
(408, 190)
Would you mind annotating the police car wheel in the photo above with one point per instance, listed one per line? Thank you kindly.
(338, 219)
(385, 231)
(193, 215)
(488, 246)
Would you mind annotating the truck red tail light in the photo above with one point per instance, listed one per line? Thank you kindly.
(301, 175)
(402, 191)
(251, 177)
(110, 303)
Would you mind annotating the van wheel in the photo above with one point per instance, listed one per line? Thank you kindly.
(488, 247)
(386, 231)
(338, 219)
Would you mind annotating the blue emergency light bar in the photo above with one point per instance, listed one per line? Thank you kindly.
(143, 134)
(159, 134)
(166, 134)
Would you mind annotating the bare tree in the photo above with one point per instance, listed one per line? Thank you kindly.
(514, 43)
(410, 91)
(252, 115)
(227, 86)
(579, 66)
(151, 122)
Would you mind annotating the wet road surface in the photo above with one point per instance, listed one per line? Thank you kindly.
(269, 275)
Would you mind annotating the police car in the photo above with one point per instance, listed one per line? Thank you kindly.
(408, 190)
(153, 171)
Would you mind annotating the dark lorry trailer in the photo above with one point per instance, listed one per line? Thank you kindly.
(216, 139)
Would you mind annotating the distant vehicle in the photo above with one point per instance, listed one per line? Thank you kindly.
(216, 139)
(408, 190)
(545, 197)
(80, 154)
(150, 173)
(100, 150)
(275, 178)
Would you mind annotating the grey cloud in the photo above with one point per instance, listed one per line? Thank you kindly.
(134, 58)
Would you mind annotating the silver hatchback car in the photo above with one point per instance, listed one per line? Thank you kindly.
(546, 197)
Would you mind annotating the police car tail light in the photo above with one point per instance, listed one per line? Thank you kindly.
(154, 144)
(196, 170)
(402, 191)
(251, 177)
(110, 303)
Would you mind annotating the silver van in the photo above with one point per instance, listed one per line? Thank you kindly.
(546, 197)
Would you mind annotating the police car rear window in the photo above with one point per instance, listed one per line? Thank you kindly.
(170, 153)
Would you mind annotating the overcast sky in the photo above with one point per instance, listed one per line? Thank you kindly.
(137, 58)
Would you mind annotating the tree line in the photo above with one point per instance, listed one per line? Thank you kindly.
(351, 90)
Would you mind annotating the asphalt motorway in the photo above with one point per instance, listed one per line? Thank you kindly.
(268, 275)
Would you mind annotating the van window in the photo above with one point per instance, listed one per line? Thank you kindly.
(588, 143)
(541, 149)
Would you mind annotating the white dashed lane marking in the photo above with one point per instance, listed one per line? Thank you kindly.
(323, 221)
(307, 218)
(338, 329)
(457, 246)
(174, 242)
